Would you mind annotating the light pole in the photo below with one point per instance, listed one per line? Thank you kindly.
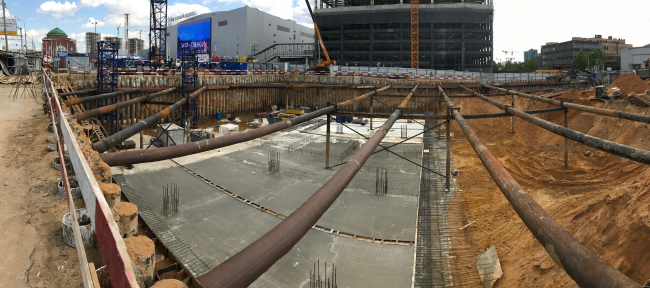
(24, 29)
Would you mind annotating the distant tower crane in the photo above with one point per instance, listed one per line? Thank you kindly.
(157, 32)
(415, 34)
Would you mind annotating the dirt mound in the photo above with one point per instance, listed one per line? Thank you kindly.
(575, 94)
(600, 199)
(629, 84)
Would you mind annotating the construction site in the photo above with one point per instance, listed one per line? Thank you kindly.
(323, 176)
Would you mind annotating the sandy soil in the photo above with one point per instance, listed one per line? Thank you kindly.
(31, 247)
(602, 199)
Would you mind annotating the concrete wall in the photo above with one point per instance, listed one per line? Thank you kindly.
(241, 29)
(632, 58)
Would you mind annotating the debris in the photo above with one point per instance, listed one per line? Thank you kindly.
(470, 223)
(51, 148)
(7, 184)
(51, 139)
(456, 172)
(642, 100)
(46, 194)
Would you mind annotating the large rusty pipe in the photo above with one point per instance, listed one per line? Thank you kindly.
(589, 109)
(247, 265)
(77, 92)
(583, 266)
(117, 138)
(289, 86)
(103, 110)
(634, 154)
(144, 156)
(99, 97)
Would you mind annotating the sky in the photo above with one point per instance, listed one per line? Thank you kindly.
(519, 25)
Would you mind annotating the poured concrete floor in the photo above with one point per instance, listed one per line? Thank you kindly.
(216, 226)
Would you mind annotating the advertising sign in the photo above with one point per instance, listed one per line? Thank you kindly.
(12, 28)
(195, 37)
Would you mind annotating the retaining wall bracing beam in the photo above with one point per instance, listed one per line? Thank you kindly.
(99, 97)
(247, 265)
(589, 109)
(110, 108)
(144, 156)
(117, 138)
(634, 154)
(77, 92)
(583, 266)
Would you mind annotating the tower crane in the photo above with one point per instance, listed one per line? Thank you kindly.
(415, 34)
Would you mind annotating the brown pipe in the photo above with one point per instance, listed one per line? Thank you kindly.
(589, 109)
(99, 97)
(144, 156)
(583, 266)
(280, 85)
(103, 110)
(77, 92)
(117, 138)
(247, 265)
(634, 154)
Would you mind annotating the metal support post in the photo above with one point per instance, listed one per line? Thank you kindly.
(371, 110)
(448, 164)
(566, 141)
(512, 119)
(327, 140)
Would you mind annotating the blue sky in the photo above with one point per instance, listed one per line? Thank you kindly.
(519, 24)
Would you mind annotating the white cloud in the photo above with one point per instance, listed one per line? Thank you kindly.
(301, 14)
(58, 9)
(91, 23)
(37, 37)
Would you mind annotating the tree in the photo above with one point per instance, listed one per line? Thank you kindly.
(549, 66)
(596, 59)
(497, 66)
(530, 66)
(580, 61)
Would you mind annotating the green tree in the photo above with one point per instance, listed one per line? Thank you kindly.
(580, 61)
(596, 59)
(549, 66)
(497, 66)
(530, 66)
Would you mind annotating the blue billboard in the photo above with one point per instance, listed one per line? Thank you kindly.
(195, 36)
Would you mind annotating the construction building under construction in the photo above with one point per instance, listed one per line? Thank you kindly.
(453, 34)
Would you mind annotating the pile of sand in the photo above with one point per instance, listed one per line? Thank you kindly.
(630, 84)
(601, 200)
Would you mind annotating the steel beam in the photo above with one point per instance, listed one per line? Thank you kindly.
(99, 97)
(117, 138)
(101, 110)
(582, 265)
(634, 154)
(139, 156)
(77, 92)
(247, 265)
(441, 117)
(589, 109)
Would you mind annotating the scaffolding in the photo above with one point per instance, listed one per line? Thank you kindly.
(157, 32)
(189, 82)
(107, 82)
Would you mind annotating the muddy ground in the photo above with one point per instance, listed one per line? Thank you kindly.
(602, 200)
(32, 252)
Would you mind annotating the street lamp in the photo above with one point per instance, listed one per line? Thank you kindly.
(21, 35)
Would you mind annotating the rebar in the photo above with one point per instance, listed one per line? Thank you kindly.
(171, 199)
(315, 280)
(274, 161)
(381, 182)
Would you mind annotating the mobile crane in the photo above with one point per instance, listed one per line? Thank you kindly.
(320, 63)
